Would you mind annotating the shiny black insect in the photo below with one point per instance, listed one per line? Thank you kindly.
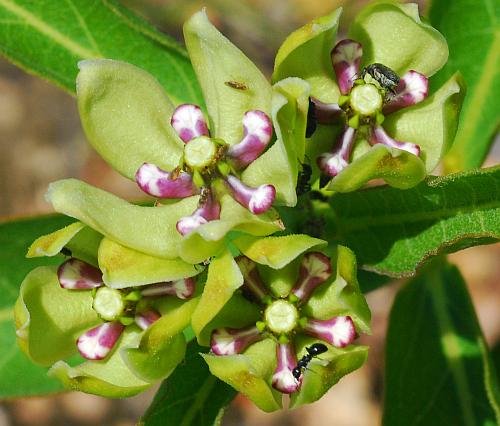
(386, 77)
(303, 184)
(312, 120)
(236, 85)
(312, 351)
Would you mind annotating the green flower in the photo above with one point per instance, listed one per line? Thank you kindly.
(265, 312)
(122, 311)
(369, 96)
(223, 175)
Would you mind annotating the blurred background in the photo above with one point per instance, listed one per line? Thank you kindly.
(41, 141)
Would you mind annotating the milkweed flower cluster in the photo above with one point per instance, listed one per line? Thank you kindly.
(133, 278)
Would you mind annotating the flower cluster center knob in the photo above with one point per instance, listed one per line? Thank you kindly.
(207, 161)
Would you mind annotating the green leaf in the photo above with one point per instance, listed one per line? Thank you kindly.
(438, 369)
(472, 30)
(49, 38)
(393, 232)
(190, 396)
(15, 238)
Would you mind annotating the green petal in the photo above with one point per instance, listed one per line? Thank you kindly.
(342, 296)
(52, 244)
(110, 377)
(163, 345)
(224, 277)
(319, 378)
(126, 116)
(433, 123)
(393, 34)
(217, 63)
(238, 312)
(279, 164)
(124, 267)
(250, 373)
(306, 54)
(49, 318)
(147, 229)
(398, 168)
(207, 240)
(276, 252)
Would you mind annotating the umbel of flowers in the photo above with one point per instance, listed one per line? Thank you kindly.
(287, 296)
(369, 96)
(122, 311)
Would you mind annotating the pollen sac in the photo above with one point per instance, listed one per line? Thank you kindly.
(189, 123)
(332, 163)
(231, 341)
(183, 289)
(346, 58)
(337, 331)
(257, 133)
(315, 269)
(96, 343)
(77, 275)
(159, 183)
(413, 88)
(256, 200)
(283, 378)
(378, 135)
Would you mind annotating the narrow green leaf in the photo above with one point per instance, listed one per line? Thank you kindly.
(393, 232)
(472, 30)
(49, 37)
(190, 396)
(438, 369)
(15, 238)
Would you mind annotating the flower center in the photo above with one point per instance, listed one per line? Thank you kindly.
(199, 152)
(108, 303)
(366, 99)
(281, 317)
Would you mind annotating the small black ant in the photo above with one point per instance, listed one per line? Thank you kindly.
(312, 351)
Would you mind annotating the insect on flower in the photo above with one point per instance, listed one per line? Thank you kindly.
(312, 351)
(386, 77)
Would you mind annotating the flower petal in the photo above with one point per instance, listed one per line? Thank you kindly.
(398, 168)
(147, 229)
(346, 57)
(283, 378)
(98, 342)
(77, 275)
(159, 183)
(332, 163)
(276, 252)
(249, 373)
(163, 346)
(432, 124)
(231, 341)
(125, 112)
(337, 331)
(183, 289)
(208, 209)
(393, 34)
(231, 83)
(256, 200)
(224, 278)
(315, 269)
(257, 133)
(413, 88)
(341, 296)
(123, 267)
(110, 377)
(313, 41)
(49, 318)
(279, 164)
(253, 287)
(378, 135)
(78, 240)
(146, 318)
(207, 240)
(189, 123)
(325, 371)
